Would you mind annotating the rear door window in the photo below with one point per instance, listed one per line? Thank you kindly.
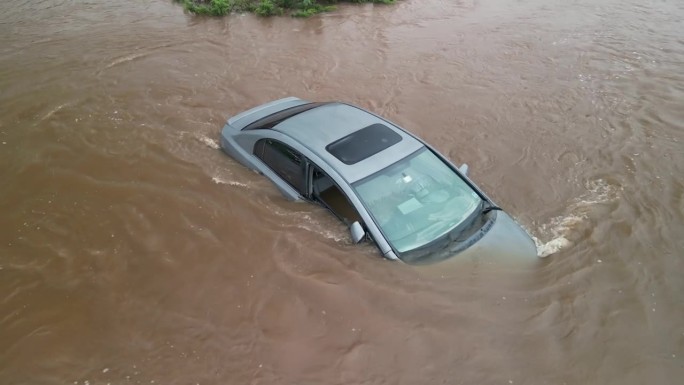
(284, 161)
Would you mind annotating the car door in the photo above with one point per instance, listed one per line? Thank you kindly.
(306, 177)
(323, 190)
(285, 161)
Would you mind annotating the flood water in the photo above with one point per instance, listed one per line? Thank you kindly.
(132, 251)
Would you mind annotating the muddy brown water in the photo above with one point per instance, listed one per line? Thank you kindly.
(132, 251)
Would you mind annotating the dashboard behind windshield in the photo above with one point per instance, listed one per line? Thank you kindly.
(417, 200)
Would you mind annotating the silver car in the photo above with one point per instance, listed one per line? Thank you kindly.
(383, 182)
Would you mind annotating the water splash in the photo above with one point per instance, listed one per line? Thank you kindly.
(559, 227)
(562, 230)
(209, 142)
(316, 226)
(219, 180)
(326, 227)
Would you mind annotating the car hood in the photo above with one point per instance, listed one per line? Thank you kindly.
(506, 240)
(500, 240)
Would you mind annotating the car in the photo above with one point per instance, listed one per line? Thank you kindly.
(386, 184)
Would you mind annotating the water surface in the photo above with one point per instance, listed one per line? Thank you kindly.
(132, 251)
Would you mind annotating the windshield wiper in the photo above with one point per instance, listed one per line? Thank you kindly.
(453, 240)
(489, 207)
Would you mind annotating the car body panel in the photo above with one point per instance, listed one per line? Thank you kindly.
(323, 125)
(311, 131)
(506, 238)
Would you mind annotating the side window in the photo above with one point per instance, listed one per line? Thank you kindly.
(284, 161)
(325, 191)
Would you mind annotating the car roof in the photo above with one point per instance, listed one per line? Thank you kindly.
(319, 127)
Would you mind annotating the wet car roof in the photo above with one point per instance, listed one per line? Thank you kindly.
(319, 127)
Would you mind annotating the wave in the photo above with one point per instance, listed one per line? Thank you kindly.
(563, 231)
(219, 180)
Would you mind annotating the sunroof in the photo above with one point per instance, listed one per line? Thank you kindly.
(363, 143)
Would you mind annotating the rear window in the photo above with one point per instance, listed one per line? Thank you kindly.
(363, 143)
(274, 119)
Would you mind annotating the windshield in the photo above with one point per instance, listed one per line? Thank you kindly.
(417, 200)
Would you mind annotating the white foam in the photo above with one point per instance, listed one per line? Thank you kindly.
(551, 247)
(332, 235)
(316, 226)
(209, 142)
(306, 222)
(560, 229)
(218, 180)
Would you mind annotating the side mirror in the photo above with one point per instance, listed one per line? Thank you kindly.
(463, 169)
(357, 232)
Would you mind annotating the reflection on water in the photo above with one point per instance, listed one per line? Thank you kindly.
(133, 251)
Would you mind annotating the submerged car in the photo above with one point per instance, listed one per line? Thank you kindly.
(380, 180)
